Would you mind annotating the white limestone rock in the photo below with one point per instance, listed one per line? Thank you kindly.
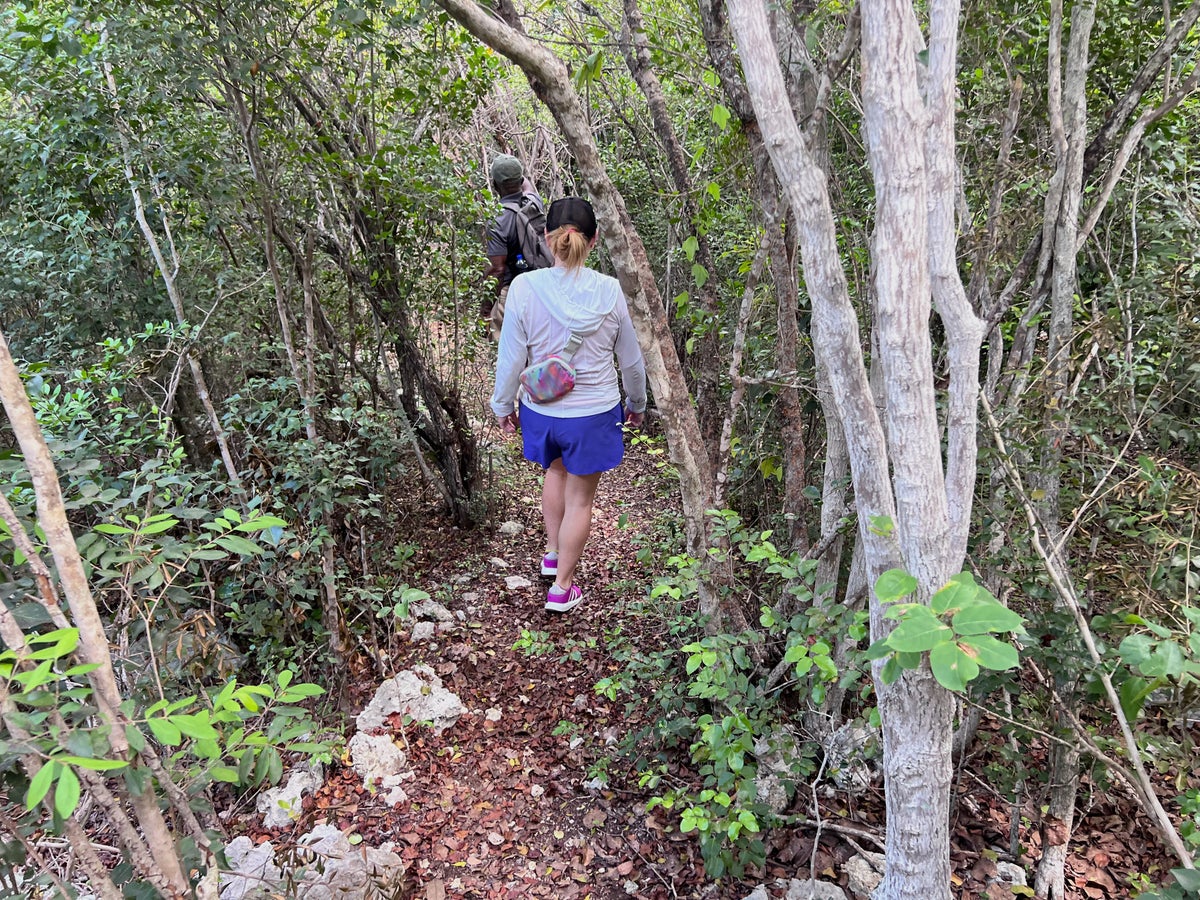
(252, 870)
(416, 692)
(335, 869)
(864, 871)
(281, 806)
(813, 890)
(430, 609)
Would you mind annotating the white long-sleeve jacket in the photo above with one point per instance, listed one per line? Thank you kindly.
(542, 309)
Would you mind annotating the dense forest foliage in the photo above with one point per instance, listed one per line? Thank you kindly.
(917, 289)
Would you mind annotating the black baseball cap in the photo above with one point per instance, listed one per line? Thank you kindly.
(572, 211)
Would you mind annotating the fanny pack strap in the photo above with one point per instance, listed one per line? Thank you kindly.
(573, 345)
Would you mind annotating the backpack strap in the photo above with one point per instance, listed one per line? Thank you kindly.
(572, 347)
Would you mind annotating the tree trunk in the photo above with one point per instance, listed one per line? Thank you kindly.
(909, 256)
(1068, 121)
(707, 352)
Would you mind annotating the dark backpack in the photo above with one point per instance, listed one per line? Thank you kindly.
(531, 233)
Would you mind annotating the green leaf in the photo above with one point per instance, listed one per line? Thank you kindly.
(1136, 649)
(39, 785)
(96, 765)
(990, 652)
(135, 739)
(952, 668)
(1133, 693)
(165, 732)
(106, 528)
(1188, 879)
(894, 584)
(262, 523)
(239, 545)
(195, 725)
(66, 795)
(921, 630)
(890, 671)
(226, 774)
(986, 615)
(878, 650)
(158, 527)
(958, 593)
(1166, 661)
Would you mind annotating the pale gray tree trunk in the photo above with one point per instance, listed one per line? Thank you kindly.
(1068, 124)
(913, 260)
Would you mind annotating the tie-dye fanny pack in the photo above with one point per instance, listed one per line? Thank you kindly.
(554, 376)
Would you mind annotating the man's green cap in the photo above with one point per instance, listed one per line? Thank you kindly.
(507, 168)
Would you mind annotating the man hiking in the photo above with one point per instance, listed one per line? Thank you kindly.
(516, 240)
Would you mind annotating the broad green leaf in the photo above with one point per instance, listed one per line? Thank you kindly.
(1133, 693)
(958, 594)
(262, 523)
(891, 671)
(878, 650)
(135, 739)
(1188, 879)
(106, 528)
(1166, 661)
(165, 732)
(990, 652)
(952, 668)
(986, 615)
(921, 630)
(1136, 649)
(39, 785)
(236, 544)
(66, 795)
(195, 725)
(894, 584)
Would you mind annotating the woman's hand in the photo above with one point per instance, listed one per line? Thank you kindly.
(509, 424)
(634, 419)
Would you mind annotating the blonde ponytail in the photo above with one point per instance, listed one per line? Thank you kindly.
(569, 246)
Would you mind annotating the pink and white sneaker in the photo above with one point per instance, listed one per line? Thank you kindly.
(563, 601)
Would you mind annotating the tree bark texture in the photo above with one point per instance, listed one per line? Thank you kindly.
(913, 259)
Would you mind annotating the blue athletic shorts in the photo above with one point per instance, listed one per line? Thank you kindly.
(587, 445)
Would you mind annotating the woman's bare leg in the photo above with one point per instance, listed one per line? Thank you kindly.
(578, 495)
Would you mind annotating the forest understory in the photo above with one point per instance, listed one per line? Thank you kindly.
(542, 800)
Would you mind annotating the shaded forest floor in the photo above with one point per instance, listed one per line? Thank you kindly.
(506, 803)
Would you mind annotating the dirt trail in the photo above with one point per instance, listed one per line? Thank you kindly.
(505, 803)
